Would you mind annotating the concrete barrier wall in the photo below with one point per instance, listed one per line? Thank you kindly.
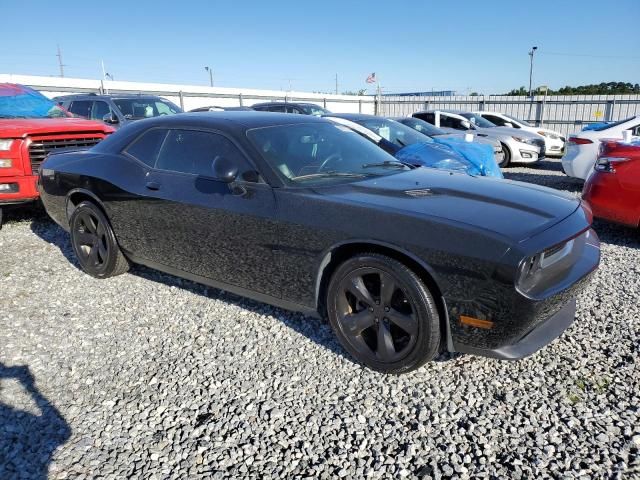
(192, 96)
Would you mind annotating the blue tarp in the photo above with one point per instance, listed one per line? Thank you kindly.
(20, 101)
(479, 154)
(595, 126)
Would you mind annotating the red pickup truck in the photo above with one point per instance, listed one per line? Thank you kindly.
(31, 126)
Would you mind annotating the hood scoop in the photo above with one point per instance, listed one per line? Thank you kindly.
(419, 192)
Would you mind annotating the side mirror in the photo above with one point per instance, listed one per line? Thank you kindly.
(110, 118)
(224, 169)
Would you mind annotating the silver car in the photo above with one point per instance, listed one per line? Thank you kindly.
(432, 131)
(518, 146)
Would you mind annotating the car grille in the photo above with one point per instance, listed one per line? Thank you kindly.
(39, 149)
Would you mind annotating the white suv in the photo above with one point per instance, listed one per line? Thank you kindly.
(553, 141)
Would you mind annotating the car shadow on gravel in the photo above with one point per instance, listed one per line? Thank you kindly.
(315, 329)
(28, 440)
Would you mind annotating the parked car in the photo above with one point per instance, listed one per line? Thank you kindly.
(518, 146)
(409, 146)
(288, 107)
(117, 110)
(582, 148)
(553, 141)
(613, 188)
(214, 108)
(304, 214)
(434, 132)
(32, 126)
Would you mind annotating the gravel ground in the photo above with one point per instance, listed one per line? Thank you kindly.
(149, 376)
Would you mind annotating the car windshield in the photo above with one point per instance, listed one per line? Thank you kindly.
(18, 101)
(526, 124)
(137, 108)
(610, 125)
(423, 127)
(315, 110)
(321, 153)
(393, 131)
(478, 120)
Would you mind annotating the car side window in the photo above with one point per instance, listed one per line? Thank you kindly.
(277, 108)
(81, 108)
(147, 146)
(497, 120)
(635, 131)
(100, 109)
(193, 152)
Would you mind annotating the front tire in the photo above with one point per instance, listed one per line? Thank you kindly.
(383, 314)
(94, 242)
(507, 157)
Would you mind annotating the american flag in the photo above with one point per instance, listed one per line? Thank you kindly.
(371, 78)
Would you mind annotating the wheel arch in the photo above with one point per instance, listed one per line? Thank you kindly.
(77, 196)
(345, 250)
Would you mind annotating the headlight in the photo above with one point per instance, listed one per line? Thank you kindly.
(544, 134)
(546, 269)
(528, 141)
(5, 144)
(6, 163)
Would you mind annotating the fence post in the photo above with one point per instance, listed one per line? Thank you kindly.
(240, 99)
(539, 112)
(181, 100)
(481, 104)
(324, 102)
(359, 106)
(609, 110)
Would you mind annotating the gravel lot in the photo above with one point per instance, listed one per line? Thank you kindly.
(149, 376)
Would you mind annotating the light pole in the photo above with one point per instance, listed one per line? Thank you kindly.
(533, 50)
(210, 70)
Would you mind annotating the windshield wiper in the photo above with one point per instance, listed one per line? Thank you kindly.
(330, 173)
(386, 163)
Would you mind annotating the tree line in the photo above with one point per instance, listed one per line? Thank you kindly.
(604, 88)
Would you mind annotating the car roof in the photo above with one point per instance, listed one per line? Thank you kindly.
(248, 119)
(354, 117)
(104, 96)
(302, 104)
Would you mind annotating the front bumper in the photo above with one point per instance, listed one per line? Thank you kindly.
(533, 341)
(22, 189)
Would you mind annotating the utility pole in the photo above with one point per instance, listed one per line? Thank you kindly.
(210, 70)
(336, 84)
(533, 50)
(59, 55)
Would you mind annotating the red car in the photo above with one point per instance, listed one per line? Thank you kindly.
(32, 126)
(613, 188)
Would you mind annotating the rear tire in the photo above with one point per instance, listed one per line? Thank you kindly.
(383, 314)
(94, 242)
(507, 157)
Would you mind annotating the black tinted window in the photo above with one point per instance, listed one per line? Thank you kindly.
(81, 108)
(100, 109)
(147, 146)
(191, 151)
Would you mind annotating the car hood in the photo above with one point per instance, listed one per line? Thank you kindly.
(508, 209)
(22, 127)
(518, 132)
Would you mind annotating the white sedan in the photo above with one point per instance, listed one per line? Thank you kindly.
(582, 148)
(553, 141)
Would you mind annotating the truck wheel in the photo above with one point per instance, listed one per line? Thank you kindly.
(94, 242)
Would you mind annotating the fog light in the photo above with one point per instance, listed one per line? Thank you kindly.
(8, 187)
(6, 163)
(525, 154)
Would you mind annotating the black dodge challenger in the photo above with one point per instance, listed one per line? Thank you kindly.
(307, 215)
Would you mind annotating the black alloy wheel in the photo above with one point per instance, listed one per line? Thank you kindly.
(94, 243)
(383, 314)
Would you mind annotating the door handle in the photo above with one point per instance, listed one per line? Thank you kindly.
(153, 185)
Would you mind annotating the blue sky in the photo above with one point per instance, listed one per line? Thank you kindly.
(419, 45)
